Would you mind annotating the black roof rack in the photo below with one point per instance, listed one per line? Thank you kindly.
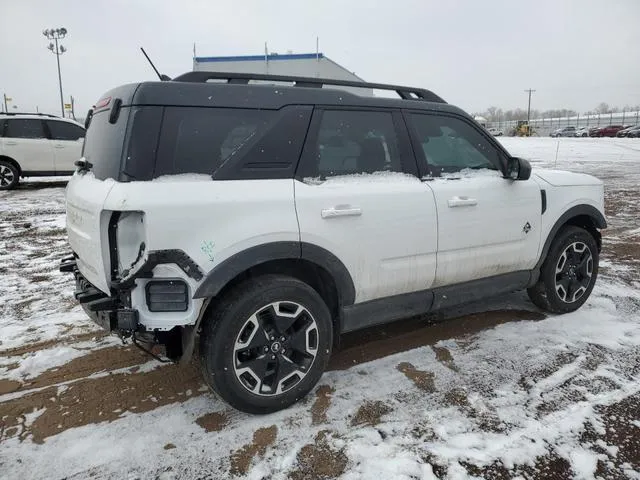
(406, 93)
(29, 113)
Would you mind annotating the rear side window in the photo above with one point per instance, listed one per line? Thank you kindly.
(64, 130)
(201, 140)
(352, 142)
(103, 144)
(24, 128)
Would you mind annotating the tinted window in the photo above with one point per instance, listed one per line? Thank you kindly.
(24, 128)
(64, 130)
(200, 140)
(103, 144)
(451, 145)
(351, 142)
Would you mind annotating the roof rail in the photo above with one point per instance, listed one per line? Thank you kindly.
(29, 113)
(406, 93)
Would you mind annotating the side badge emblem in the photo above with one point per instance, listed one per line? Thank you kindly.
(526, 228)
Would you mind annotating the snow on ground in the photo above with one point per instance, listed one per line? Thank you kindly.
(493, 390)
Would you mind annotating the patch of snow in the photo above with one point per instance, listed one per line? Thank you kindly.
(360, 178)
(184, 177)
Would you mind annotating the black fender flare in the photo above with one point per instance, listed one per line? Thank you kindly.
(230, 268)
(233, 266)
(584, 209)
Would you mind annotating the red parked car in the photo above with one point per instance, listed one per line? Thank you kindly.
(608, 131)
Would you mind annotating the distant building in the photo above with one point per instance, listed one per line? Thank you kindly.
(294, 64)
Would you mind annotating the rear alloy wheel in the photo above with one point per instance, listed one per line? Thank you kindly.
(569, 272)
(9, 175)
(276, 348)
(266, 343)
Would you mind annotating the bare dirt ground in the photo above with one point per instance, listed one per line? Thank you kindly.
(496, 389)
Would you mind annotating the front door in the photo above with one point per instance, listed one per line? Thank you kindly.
(25, 141)
(487, 225)
(66, 142)
(358, 196)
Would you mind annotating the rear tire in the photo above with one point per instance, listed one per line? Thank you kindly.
(568, 273)
(9, 175)
(265, 345)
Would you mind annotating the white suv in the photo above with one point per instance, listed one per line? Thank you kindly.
(267, 220)
(37, 145)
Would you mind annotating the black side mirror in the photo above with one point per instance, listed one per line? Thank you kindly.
(518, 169)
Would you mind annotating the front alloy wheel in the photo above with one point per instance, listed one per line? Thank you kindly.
(9, 175)
(573, 272)
(568, 272)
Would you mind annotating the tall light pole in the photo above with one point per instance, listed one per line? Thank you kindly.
(56, 34)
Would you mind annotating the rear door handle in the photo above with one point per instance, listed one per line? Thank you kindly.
(10, 143)
(462, 202)
(341, 211)
(58, 146)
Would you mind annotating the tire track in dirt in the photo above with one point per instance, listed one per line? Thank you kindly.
(384, 340)
(37, 346)
(262, 439)
(321, 405)
(319, 460)
(90, 401)
(103, 359)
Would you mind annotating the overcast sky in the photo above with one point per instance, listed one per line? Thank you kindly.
(473, 53)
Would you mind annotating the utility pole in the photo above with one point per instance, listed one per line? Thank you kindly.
(6, 108)
(530, 91)
(55, 35)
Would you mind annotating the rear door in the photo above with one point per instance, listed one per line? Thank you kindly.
(25, 141)
(66, 141)
(487, 225)
(358, 196)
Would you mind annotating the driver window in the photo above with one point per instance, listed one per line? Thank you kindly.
(451, 145)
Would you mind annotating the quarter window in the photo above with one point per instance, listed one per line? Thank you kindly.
(200, 140)
(352, 142)
(24, 128)
(450, 145)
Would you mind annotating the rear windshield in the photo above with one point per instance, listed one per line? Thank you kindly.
(103, 144)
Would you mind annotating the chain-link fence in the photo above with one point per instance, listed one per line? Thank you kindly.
(544, 126)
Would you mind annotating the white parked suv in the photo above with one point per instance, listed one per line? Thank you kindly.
(33, 144)
(264, 221)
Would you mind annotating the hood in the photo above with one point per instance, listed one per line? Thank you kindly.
(560, 178)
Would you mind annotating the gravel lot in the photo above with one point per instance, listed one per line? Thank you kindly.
(497, 389)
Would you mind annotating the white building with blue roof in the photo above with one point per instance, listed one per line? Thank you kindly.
(315, 65)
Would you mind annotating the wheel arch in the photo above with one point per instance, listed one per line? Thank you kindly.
(13, 162)
(584, 216)
(309, 263)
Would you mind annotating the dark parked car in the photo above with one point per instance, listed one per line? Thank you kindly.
(608, 131)
(564, 132)
(634, 133)
(625, 132)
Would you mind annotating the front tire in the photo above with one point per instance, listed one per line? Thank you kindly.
(265, 345)
(569, 272)
(9, 175)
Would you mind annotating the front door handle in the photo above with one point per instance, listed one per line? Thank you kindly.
(11, 143)
(341, 211)
(58, 146)
(462, 202)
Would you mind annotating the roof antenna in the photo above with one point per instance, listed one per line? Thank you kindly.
(162, 77)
